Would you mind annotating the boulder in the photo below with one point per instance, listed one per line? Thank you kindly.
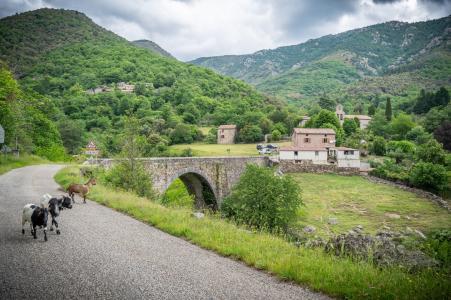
(309, 229)
(198, 215)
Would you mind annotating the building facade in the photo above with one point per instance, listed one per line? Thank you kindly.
(227, 134)
(313, 137)
(341, 115)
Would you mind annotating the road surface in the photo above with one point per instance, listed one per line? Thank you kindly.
(104, 254)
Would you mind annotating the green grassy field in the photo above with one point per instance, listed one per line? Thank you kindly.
(221, 150)
(353, 200)
(338, 277)
(9, 162)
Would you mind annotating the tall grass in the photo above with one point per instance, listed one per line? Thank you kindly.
(9, 162)
(339, 277)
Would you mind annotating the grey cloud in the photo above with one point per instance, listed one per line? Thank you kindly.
(194, 28)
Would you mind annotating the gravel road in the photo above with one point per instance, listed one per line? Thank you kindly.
(102, 254)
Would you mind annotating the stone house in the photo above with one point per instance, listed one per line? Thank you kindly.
(125, 88)
(363, 120)
(317, 146)
(227, 134)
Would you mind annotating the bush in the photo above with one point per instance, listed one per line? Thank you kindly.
(431, 152)
(438, 246)
(390, 170)
(53, 152)
(276, 135)
(263, 200)
(251, 134)
(378, 147)
(429, 176)
(130, 177)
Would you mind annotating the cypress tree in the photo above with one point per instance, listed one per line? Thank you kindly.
(388, 112)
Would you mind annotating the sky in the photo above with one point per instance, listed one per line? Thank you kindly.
(189, 29)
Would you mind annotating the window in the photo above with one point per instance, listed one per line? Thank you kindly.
(222, 136)
(306, 140)
(222, 130)
(295, 153)
(325, 140)
(316, 153)
(349, 152)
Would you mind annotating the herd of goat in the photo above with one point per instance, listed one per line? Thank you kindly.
(37, 215)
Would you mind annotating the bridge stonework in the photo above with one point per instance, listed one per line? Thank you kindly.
(201, 175)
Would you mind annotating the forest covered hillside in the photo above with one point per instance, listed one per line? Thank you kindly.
(341, 65)
(63, 55)
(152, 46)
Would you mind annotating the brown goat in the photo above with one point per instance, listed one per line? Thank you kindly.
(81, 189)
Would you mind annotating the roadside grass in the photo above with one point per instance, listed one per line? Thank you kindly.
(221, 150)
(9, 162)
(353, 200)
(339, 277)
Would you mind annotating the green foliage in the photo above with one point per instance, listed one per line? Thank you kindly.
(418, 135)
(263, 200)
(429, 176)
(251, 134)
(378, 146)
(388, 110)
(432, 152)
(391, 170)
(350, 126)
(177, 196)
(401, 125)
(184, 134)
(435, 117)
(426, 101)
(276, 135)
(443, 134)
(327, 103)
(438, 246)
(73, 134)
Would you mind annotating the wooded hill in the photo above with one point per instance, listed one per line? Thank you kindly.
(393, 58)
(62, 54)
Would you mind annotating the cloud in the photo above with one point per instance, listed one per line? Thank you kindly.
(192, 28)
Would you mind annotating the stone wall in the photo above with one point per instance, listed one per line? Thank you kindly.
(293, 167)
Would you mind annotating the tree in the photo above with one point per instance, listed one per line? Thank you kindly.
(401, 125)
(388, 111)
(431, 152)
(441, 97)
(428, 176)
(72, 134)
(371, 110)
(325, 117)
(435, 117)
(443, 134)
(378, 146)
(251, 134)
(276, 135)
(349, 126)
(183, 134)
(263, 200)
(358, 109)
(418, 135)
(327, 103)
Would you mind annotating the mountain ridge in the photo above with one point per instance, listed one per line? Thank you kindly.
(152, 46)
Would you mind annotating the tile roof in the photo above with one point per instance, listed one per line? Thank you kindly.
(314, 130)
(294, 148)
(227, 127)
(360, 117)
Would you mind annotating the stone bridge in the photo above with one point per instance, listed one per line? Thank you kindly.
(208, 179)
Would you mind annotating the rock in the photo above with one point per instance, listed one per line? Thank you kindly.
(392, 216)
(309, 229)
(385, 227)
(198, 215)
(332, 221)
(407, 217)
(420, 234)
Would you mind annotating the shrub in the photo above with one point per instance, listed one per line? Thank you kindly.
(52, 152)
(431, 152)
(130, 176)
(378, 147)
(438, 246)
(276, 135)
(251, 134)
(390, 170)
(428, 176)
(263, 200)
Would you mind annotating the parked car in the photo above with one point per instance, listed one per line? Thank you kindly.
(260, 147)
(265, 151)
(272, 146)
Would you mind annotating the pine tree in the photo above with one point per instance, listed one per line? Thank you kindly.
(388, 112)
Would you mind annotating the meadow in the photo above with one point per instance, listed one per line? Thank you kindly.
(201, 149)
(9, 162)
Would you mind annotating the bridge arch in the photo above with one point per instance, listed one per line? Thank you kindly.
(198, 185)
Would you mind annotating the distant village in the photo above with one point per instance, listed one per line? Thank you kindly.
(315, 146)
